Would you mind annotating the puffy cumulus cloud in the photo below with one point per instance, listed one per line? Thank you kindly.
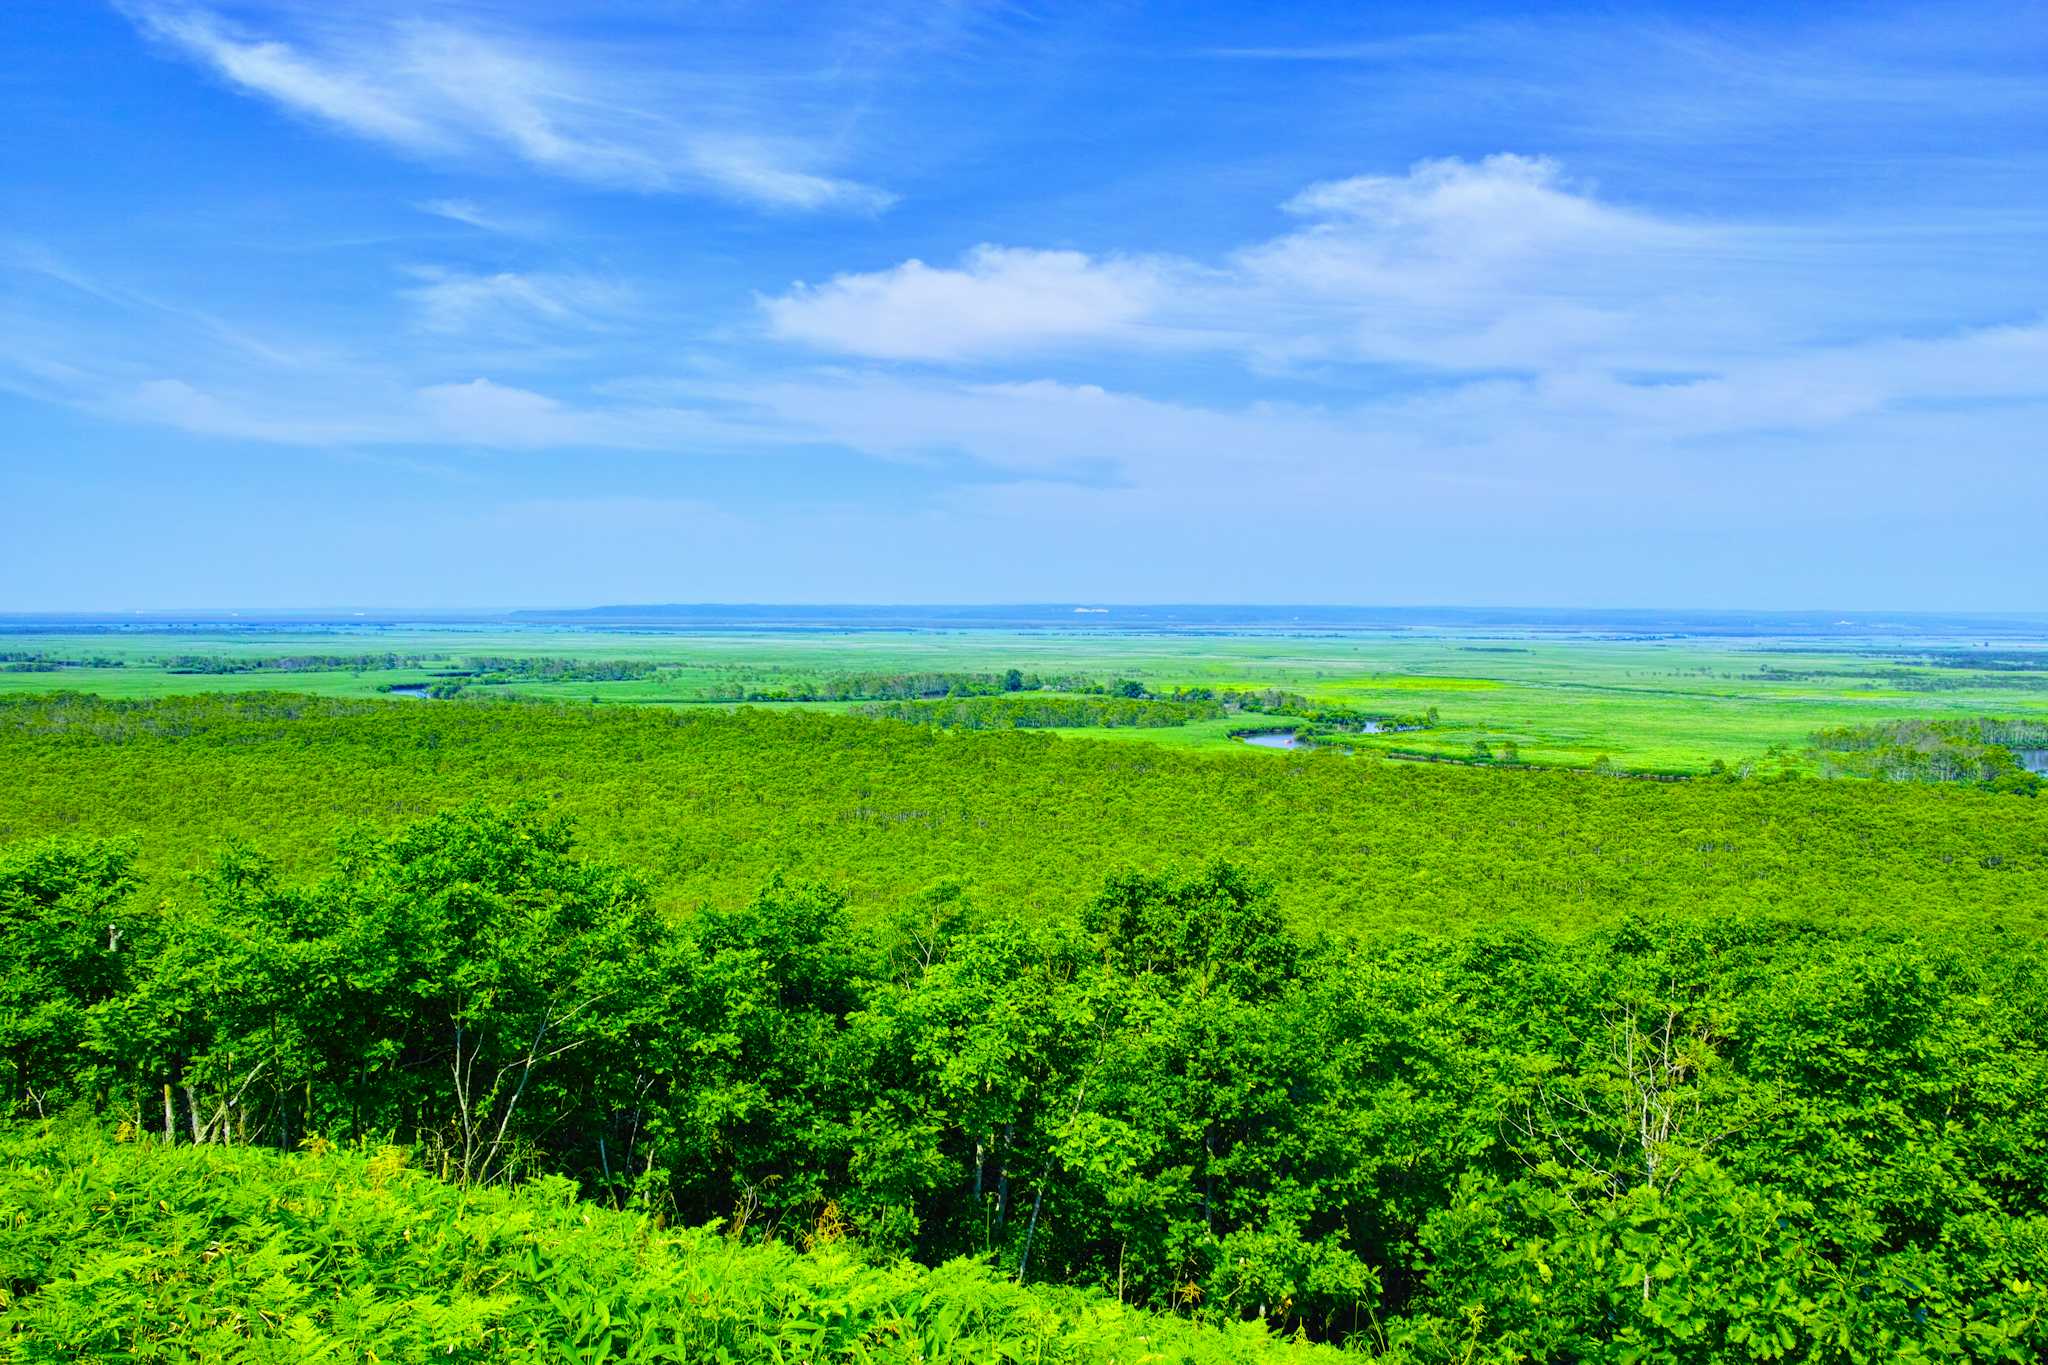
(1453, 264)
(444, 90)
(999, 299)
(1499, 263)
(1469, 214)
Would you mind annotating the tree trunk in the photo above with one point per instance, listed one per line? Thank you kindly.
(1003, 1180)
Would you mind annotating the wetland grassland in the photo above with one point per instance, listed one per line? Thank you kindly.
(1666, 705)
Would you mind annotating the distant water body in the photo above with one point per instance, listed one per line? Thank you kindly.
(1087, 618)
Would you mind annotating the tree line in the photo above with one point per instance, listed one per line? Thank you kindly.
(1043, 712)
(1982, 750)
(223, 664)
(923, 685)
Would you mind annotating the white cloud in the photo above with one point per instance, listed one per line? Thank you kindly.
(1579, 436)
(1521, 196)
(1496, 263)
(1042, 430)
(359, 101)
(180, 405)
(478, 413)
(1500, 263)
(442, 90)
(1584, 373)
(1490, 436)
(752, 168)
(1809, 390)
(452, 301)
(999, 299)
(482, 413)
(1445, 224)
(471, 214)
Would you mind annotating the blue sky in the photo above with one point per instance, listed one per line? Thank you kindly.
(484, 304)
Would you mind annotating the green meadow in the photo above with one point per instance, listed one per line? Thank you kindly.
(1663, 705)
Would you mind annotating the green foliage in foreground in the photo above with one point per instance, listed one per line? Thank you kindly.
(1682, 1139)
(140, 1252)
(708, 806)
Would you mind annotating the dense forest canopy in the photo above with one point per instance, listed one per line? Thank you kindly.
(1660, 1140)
(709, 805)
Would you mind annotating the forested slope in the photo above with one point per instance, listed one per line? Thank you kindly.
(707, 805)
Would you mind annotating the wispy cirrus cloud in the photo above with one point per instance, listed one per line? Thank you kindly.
(509, 302)
(440, 90)
(1493, 433)
(469, 213)
(184, 406)
(479, 414)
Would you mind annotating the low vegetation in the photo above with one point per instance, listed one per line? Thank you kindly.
(139, 1251)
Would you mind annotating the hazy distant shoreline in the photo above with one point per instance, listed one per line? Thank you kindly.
(1087, 617)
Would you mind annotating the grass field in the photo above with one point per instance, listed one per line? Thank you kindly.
(1674, 705)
